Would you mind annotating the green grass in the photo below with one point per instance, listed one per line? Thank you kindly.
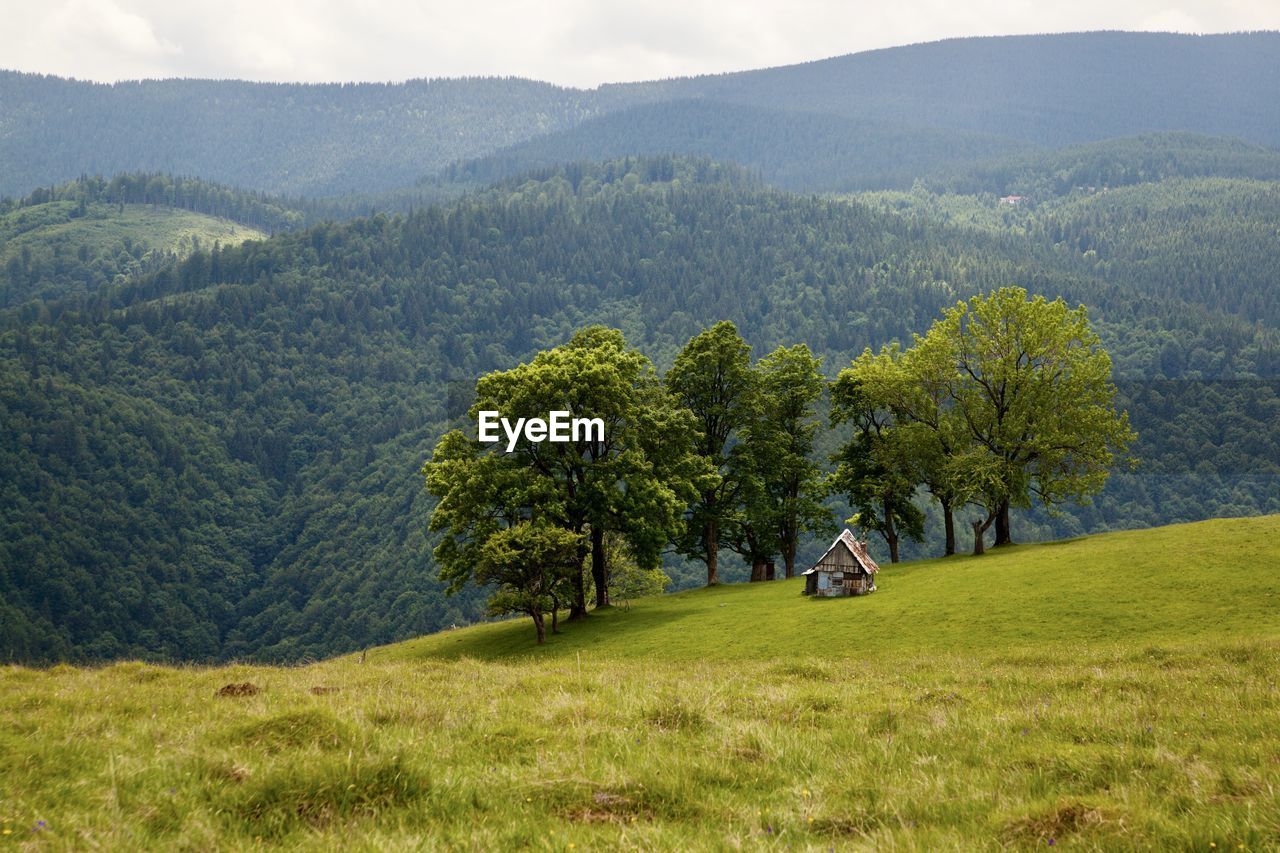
(163, 228)
(1117, 691)
(67, 250)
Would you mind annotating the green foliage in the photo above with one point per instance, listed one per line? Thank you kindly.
(628, 580)
(524, 563)
(633, 480)
(1033, 386)
(64, 248)
(250, 418)
(712, 378)
(784, 497)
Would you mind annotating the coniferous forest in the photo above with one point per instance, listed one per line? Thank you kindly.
(217, 401)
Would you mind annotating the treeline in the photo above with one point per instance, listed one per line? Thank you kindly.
(278, 391)
(1096, 166)
(1005, 402)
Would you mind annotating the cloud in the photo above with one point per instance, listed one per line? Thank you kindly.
(577, 42)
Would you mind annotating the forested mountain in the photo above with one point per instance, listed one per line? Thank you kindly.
(1048, 90)
(291, 139)
(220, 457)
(803, 151)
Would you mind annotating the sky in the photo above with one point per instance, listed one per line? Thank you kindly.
(572, 42)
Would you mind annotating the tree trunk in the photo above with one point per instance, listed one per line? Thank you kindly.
(980, 528)
(789, 557)
(711, 541)
(599, 571)
(578, 609)
(890, 533)
(769, 570)
(539, 626)
(555, 614)
(757, 570)
(1003, 535)
(949, 522)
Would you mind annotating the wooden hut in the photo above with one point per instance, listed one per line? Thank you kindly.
(846, 569)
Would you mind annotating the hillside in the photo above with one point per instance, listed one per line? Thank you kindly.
(220, 459)
(945, 101)
(1093, 692)
(59, 249)
(1045, 598)
(802, 151)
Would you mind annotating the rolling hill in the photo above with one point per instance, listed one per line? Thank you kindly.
(1111, 692)
(937, 103)
(219, 459)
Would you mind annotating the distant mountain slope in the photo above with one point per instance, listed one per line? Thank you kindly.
(283, 138)
(805, 151)
(1049, 90)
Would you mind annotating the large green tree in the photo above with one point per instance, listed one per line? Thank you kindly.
(713, 379)
(785, 498)
(634, 479)
(876, 468)
(1031, 384)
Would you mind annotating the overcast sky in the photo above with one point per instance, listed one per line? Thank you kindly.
(573, 42)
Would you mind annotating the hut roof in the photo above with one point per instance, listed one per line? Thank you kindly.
(847, 540)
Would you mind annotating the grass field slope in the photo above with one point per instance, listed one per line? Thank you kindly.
(60, 248)
(1117, 691)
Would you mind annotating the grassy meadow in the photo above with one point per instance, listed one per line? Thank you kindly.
(1112, 692)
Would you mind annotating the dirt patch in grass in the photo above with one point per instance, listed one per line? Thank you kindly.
(323, 690)
(804, 671)
(244, 688)
(939, 697)
(1067, 818)
(582, 802)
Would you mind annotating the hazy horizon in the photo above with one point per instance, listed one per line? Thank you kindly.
(573, 43)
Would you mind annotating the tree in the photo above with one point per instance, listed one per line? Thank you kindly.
(912, 387)
(875, 468)
(635, 479)
(789, 487)
(525, 562)
(1032, 387)
(712, 378)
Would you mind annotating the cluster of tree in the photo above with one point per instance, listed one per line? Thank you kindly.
(228, 437)
(288, 138)
(1005, 399)
(719, 454)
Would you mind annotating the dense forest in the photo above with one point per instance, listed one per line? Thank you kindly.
(962, 97)
(218, 457)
